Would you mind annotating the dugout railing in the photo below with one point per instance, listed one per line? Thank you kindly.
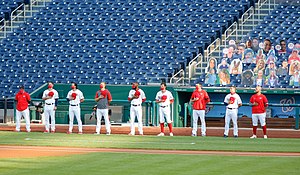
(188, 111)
(119, 112)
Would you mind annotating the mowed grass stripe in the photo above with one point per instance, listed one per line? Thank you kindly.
(151, 142)
(128, 164)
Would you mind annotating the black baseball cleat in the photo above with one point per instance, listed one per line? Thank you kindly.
(225, 136)
(235, 136)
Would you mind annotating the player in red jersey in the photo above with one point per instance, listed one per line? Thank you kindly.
(199, 98)
(23, 99)
(259, 104)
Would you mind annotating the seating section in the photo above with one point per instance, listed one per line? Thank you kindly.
(116, 41)
(281, 23)
(7, 6)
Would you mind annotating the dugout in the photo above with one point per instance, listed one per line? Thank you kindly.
(181, 94)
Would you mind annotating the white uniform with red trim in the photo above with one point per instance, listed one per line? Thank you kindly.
(74, 109)
(49, 111)
(136, 111)
(232, 112)
(164, 107)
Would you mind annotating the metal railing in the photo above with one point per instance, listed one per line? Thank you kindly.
(36, 3)
(150, 112)
(176, 78)
(188, 108)
(192, 66)
(17, 13)
(2, 28)
(231, 31)
(214, 46)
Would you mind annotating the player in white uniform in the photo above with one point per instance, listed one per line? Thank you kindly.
(136, 96)
(75, 97)
(164, 98)
(232, 102)
(50, 96)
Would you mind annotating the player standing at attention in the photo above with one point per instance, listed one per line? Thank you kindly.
(50, 96)
(103, 98)
(136, 96)
(164, 98)
(75, 97)
(199, 99)
(23, 99)
(259, 103)
(232, 102)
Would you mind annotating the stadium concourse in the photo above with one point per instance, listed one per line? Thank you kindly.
(153, 131)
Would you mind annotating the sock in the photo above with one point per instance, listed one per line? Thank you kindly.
(264, 130)
(162, 127)
(170, 127)
(254, 128)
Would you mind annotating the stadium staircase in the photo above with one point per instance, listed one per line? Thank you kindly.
(18, 12)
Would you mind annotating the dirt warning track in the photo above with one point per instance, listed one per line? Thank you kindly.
(40, 151)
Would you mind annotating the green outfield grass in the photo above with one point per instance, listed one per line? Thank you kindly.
(149, 164)
(150, 142)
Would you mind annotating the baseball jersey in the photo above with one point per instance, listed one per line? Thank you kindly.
(235, 98)
(79, 96)
(137, 101)
(262, 102)
(103, 102)
(22, 100)
(168, 99)
(51, 100)
(203, 99)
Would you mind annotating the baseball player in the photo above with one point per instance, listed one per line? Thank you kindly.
(259, 103)
(103, 98)
(75, 97)
(199, 99)
(232, 102)
(136, 96)
(50, 96)
(23, 99)
(164, 98)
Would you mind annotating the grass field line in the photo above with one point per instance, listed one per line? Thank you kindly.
(144, 151)
(111, 141)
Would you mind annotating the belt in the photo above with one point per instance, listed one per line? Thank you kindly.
(164, 106)
(231, 108)
(135, 105)
(74, 105)
(49, 103)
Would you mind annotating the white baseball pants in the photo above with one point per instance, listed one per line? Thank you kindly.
(104, 113)
(136, 111)
(261, 117)
(165, 113)
(231, 114)
(49, 112)
(74, 110)
(196, 115)
(19, 114)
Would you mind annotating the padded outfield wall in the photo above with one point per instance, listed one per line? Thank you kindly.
(181, 95)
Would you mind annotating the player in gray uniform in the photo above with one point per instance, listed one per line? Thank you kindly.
(103, 98)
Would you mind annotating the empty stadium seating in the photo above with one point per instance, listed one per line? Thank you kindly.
(116, 41)
(282, 23)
